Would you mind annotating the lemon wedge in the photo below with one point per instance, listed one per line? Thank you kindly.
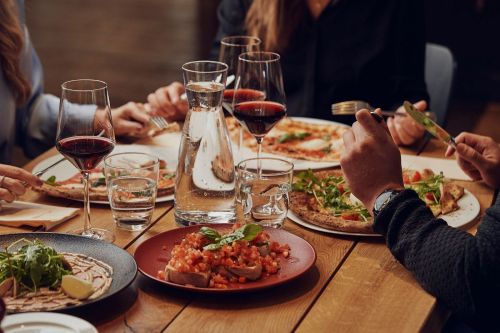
(76, 287)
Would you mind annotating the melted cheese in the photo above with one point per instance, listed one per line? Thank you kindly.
(314, 144)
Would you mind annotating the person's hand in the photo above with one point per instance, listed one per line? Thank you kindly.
(167, 102)
(14, 180)
(404, 130)
(479, 157)
(130, 119)
(371, 161)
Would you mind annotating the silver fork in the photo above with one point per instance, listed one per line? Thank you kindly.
(159, 122)
(44, 170)
(351, 107)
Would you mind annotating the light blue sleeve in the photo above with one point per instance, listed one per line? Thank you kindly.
(36, 120)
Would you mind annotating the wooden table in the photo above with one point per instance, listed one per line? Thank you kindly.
(355, 286)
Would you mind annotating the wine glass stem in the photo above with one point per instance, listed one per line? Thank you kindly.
(259, 152)
(240, 144)
(86, 203)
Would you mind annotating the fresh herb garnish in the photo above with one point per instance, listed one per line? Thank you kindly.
(429, 185)
(101, 181)
(34, 265)
(293, 136)
(330, 192)
(169, 176)
(246, 232)
(51, 181)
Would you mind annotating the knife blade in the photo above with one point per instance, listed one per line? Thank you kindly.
(429, 124)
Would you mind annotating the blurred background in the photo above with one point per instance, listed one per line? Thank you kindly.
(138, 46)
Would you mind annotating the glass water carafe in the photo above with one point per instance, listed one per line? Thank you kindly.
(204, 187)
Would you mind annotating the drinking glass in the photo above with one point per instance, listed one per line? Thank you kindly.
(263, 186)
(204, 185)
(259, 98)
(131, 180)
(85, 136)
(230, 49)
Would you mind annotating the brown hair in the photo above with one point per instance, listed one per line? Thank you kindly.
(274, 21)
(11, 46)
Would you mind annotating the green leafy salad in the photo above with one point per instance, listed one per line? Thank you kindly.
(331, 193)
(33, 266)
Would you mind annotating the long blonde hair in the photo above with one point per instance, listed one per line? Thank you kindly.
(11, 46)
(274, 21)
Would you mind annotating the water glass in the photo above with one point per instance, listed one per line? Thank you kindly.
(131, 180)
(263, 187)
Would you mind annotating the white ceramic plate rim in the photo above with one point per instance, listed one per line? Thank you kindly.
(469, 210)
(28, 319)
(50, 160)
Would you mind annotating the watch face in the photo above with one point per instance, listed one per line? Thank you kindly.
(383, 199)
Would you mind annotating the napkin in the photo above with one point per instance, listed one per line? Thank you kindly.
(449, 167)
(20, 213)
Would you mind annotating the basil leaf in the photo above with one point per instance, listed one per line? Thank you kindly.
(51, 181)
(285, 137)
(302, 136)
(250, 231)
(99, 182)
(211, 234)
(230, 238)
(212, 247)
(169, 176)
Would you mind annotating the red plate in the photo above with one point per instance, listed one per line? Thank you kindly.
(153, 254)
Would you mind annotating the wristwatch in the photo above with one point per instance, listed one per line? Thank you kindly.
(383, 199)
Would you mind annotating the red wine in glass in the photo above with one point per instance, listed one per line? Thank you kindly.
(259, 117)
(85, 136)
(85, 152)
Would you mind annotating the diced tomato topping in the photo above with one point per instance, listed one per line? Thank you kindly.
(430, 196)
(350, 216)
(416, 177)
(189, 256)
(161, 275)
(406, 179)
(341, 188)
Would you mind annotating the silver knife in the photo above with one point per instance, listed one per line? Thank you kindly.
(429, 124)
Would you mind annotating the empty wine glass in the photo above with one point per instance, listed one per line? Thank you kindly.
(85, 136)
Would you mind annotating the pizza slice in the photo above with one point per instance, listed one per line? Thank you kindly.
(297, 139)
(72, 188)
(323, 198)
(440, 194)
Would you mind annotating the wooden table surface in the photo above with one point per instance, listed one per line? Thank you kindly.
(355, 286)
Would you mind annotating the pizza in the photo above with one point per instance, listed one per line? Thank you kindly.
(72, 188)
(324, 199)
(297, 139)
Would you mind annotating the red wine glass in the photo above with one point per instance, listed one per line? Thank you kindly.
(85, 136)
(230, 49)
(259, 100)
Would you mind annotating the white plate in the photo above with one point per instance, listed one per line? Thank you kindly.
(45, 322)
(65, 169)
(298, 164)
(468, 211)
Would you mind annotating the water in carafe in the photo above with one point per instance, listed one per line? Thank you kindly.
(205, 188)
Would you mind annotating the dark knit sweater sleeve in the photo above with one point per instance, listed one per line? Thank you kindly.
(461, 270)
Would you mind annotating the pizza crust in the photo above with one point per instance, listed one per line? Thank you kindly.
(299, 204)
(302, 205)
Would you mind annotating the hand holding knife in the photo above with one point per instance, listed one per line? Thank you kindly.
(429, 124)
